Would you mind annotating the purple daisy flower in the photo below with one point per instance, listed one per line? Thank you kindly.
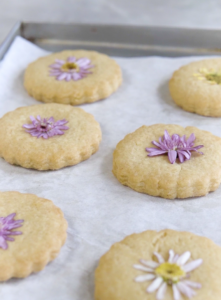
(71, 69)
(6, 225)
(175, 146)
(46, 128)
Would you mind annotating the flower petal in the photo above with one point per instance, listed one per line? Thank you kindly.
(32, 118)
(3, 243)
(156, 144)
(10, 217)
(185, 290)
(15, 232)
(176, 293)
(175, 138)
(60, 61)
(68, 77)
(83, 62)
(163, 145)
(150, 263)
(71, 59)
(185, 153)
(145, 277)
(156, 152)
(155, 285)
(191, 140)
(159, 257)
(181, 157)
(175, 258)
(183, 258)
(142, 268)
(7, 238)
(171, 256)
(192, 284)
(55, 72)
(56, 66)
(28, 126)
(192, 265)
(161, 292)
(172, 154)
(44, 135)
(76, 76)
(62, 76)
(166, 136)
(196, 147)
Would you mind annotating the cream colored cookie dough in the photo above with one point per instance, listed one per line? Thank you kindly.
(78, 143)
(116, 277)
(43, 234)
(156, 176)
(196, 87)
(105, 78)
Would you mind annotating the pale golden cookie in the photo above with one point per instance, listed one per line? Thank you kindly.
(77, 143)
(196, 87)
(120, 273)
(75, 77)
(156, 176)
(41, 229)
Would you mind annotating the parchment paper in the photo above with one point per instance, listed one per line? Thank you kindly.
(100, 211)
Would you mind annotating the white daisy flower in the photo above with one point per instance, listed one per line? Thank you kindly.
(212, 76)
(173, 272)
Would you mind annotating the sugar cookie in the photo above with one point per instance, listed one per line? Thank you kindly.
(165, 265)
(191, 174)
(32, 231)
(72, 77)
(196, 87)
(48, 137)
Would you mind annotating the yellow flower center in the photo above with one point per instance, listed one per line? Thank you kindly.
(215, 77)
(70, 66)
(171, 273)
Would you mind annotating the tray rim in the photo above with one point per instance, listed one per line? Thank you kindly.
(19, 28)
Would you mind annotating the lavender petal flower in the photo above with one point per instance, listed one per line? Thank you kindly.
(175, 146)
(7, 224)
(71, 69)
(45, 128)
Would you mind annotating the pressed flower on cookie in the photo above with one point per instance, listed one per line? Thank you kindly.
(173, 273)
(45, 128)
(175, 146)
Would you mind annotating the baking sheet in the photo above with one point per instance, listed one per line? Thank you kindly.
(99, 210)
(117, 40)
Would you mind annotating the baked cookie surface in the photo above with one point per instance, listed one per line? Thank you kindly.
(156, 176)
(144, 266)
(77, 143)
(72, 77)
(196, 87)
(41, 232)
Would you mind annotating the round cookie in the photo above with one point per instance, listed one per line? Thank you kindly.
(144, 267)
(72, 77)
(196, 87)
(69, 147)
(32, 231)
(156, 176)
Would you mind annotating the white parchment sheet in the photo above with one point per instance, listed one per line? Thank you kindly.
(99, 210)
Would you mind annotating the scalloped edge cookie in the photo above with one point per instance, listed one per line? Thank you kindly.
(190, 89)
(105, 79)
(156, 176)
(43, 234)
(78, 143)
(115, 274)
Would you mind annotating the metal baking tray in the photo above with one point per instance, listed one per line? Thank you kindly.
(118, 40)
